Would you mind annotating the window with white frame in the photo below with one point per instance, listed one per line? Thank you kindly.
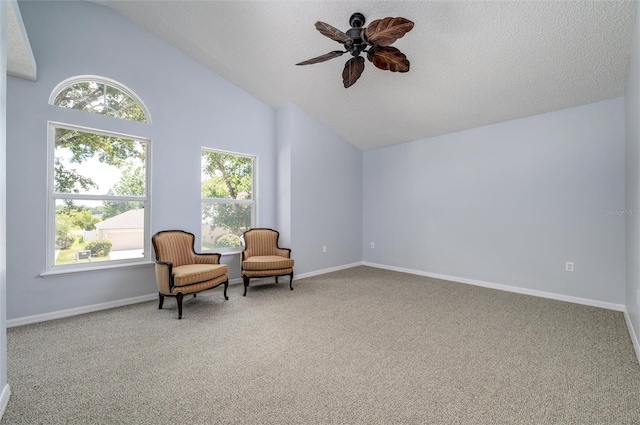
(98, 184)
(99, 96)
(228, 199)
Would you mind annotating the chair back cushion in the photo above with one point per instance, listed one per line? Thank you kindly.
(260, 242)
(174, 246)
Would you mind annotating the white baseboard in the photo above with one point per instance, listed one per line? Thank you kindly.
(632, 334)
(329, 270)
(4, 399)
(303, 275)
(119, 303)
(78, 310)
(525, 291)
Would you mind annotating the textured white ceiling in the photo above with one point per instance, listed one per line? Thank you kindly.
(20, 61)
(473, 63)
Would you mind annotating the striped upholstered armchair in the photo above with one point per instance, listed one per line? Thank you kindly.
(181, 271)
(262, 257)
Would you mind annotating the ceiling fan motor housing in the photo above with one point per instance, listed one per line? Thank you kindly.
(357, 45)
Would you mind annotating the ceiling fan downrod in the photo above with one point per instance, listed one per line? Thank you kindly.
(357, 45)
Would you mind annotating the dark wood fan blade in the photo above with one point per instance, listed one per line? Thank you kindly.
(389, 58)
(323, 58)
(333, 33)
(352, 71)
(383, 32)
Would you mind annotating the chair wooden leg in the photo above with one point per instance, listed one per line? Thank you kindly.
(245, 280)
(291, 281)
(226, 285)
(161, 301)
(179, 296)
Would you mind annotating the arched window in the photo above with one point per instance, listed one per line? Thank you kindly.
(100, 96)
(98, 212)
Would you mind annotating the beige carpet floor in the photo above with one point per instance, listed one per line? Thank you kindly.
(358, 346)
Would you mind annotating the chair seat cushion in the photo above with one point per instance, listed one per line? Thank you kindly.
(267, 273)
(200, 286)
(267, 262)
(196, 273)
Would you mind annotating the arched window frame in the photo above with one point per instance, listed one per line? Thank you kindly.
(102, 80)
(52, 268)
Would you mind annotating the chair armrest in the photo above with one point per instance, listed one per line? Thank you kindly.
(164, 276)
(208, 258)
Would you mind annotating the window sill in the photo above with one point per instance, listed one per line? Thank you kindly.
(230, 253)
(58, 272)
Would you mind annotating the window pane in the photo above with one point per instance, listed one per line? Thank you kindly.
(223, 224)
(116, 100)
(133, 113)
(90, 231)
(226, 176)
(90, 163)
(100, 98)
(85, 96)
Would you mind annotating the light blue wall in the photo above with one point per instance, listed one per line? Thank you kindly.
(191, 107)
(326, 192)
(3, 209)
(632, 171)
(508, 203)
(284, 140)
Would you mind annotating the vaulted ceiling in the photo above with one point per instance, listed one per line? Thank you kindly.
(20, 60)
(473, 63)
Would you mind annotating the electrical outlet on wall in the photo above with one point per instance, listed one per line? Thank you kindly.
(568, 266)
(373, 245)
(324, 248)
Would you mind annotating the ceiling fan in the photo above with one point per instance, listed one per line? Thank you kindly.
(377, 37)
